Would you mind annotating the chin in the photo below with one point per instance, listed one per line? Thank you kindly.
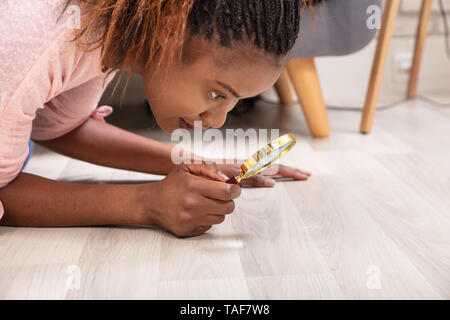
(167, 126)
(168, 129)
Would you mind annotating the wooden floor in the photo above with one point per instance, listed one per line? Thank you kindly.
(373, 222)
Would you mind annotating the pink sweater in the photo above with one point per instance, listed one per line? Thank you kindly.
(48, 87)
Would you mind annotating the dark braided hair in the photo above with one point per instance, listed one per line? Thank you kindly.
(272, 25)
(156, 30)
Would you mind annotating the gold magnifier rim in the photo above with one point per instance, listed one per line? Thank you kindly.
(272, 146)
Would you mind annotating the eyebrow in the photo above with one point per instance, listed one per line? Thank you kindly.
(230, 89)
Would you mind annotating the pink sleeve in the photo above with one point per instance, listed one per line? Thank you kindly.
(25, 36)
(18, 108)
(70, 109)
(54, 97)
(47, 86)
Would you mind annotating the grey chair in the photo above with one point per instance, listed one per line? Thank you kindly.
(339, 28)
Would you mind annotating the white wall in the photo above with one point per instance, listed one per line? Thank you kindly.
(344, 80)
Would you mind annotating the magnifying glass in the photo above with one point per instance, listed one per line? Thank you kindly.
(264, 157)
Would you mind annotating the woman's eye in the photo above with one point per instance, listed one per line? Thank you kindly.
(216, 96)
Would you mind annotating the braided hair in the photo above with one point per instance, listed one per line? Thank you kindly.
(156, 30)
(272, 25)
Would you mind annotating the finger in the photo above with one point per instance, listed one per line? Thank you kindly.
(259, 180)
(279, 169)
(216, 190)
(290, 170)
(294, 173)
(207, 170)
(214, 219)
(228, 170)
(197, 231)
(209, 206)
(200, 230)
(306, 173)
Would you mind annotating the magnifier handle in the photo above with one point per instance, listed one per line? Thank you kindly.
(232, 181)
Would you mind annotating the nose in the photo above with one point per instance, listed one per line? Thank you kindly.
(216, 118)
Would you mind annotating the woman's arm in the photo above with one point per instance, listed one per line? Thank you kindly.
(202, 200)
(107, 145)
(31, 201)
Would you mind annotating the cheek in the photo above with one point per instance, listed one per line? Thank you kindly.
(191, 105)
(178, 98)
(171, 108)
(162, 105)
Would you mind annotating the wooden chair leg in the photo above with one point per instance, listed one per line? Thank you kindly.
(376, 77)
(306, 83)
(422, 30)
(283, 88)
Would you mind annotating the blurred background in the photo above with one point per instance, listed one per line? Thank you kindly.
(343, 79)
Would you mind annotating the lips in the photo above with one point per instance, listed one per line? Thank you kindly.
(185, 125)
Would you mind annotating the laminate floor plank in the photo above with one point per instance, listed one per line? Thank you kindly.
(373, 222)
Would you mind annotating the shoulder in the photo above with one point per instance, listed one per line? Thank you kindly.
(27, 29)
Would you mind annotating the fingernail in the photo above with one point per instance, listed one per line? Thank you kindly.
(304, 173)
(223, 175)
(269, 183)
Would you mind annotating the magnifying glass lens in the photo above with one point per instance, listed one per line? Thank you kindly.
(265, 157)
(266, 161)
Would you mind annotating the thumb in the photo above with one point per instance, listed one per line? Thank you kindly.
(206, 170)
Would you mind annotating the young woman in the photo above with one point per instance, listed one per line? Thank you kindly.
(197, 58)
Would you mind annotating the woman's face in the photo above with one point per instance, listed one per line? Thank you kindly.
(207, 84)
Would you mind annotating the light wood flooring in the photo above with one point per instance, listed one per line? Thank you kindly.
(373, 222)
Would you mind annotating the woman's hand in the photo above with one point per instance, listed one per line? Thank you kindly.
(267, 177)
(191, 199)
